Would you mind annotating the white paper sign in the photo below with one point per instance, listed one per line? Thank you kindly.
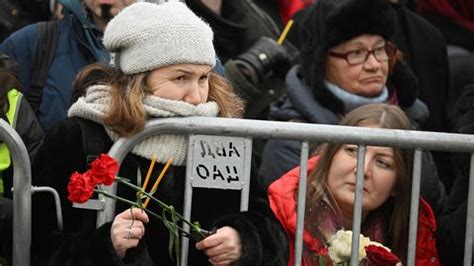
(219, 162)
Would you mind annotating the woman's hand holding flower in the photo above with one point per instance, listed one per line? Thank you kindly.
(127, 230)
(223, 247)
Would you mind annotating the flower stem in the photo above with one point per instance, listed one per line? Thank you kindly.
(134, 204)
(166, 209)
(159, 202)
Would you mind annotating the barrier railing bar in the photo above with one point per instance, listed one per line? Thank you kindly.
(188, 194)
(311, 132)
(468, 244)
(301, 202)
(22, 195)
(414, 205)
(57, 202)
(244, 196)
(357, 214)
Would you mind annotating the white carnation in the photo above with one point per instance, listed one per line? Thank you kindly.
(340, 246)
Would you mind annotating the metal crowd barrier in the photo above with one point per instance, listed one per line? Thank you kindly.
(250, 129)
(417, 140)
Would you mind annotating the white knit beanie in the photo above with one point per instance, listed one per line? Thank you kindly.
(148, 36)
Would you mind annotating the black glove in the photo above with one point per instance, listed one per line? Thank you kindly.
(405, 83)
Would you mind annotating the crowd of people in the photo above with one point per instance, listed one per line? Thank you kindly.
(100, 69)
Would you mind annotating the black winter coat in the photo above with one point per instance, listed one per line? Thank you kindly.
(451, 232)
(263, 239)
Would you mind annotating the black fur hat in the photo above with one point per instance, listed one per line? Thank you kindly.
(331, 22)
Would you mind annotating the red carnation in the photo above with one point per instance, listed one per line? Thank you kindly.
(103, 170)
(80, 187)
(377, 255)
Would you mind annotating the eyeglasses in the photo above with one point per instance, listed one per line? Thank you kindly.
(357, 57)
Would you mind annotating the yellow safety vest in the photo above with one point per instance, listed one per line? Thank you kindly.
(5, 161)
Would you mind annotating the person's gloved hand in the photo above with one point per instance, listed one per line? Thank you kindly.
(405, 83)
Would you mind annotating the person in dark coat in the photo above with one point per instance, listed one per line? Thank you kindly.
(345, 65)
(163, 69)
(79, 44)
(243, 32)
(451, 231)
(429, 63)
(455, 20)
(16, 111)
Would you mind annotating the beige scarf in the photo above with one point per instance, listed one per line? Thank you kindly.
(94, 105)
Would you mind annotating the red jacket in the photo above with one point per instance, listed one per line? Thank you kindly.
(282, 198)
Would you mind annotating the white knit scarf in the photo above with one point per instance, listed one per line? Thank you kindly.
(94, 105)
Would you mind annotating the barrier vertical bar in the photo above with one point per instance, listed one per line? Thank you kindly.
(301, 202)
(470, 217)
(188, 197)
(357, 214)
(244, 195)
(21, 196)
(414, 205)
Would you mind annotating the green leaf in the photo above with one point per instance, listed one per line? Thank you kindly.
(174, 218)
(122, 179)
(170, 231)
(139, 177)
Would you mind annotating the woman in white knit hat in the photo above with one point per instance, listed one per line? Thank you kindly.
(163, 68)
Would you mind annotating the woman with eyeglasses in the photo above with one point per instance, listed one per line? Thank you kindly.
(347, 60)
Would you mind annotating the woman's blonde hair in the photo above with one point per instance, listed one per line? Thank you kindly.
(383, 116)
(126, 115)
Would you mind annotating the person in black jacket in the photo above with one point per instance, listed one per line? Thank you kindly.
(18, 113)
(451, 230)
(163, 69)
(245, 42)
(79, 43)
(429, 63)
(16, 110)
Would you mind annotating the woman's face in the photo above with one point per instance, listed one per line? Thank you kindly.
(379, 177)
(184, 82)
(365, 79)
